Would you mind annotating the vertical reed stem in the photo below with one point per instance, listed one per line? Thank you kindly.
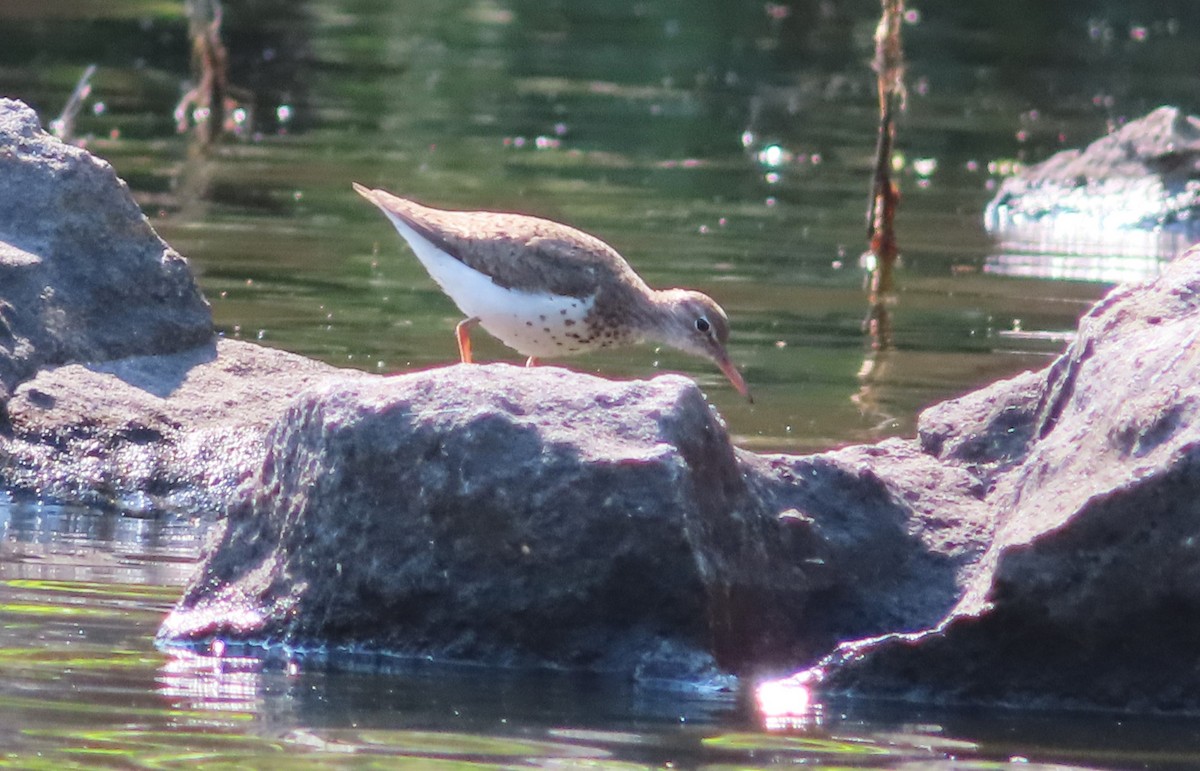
(883, 251)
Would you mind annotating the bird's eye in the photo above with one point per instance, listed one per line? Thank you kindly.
(702, 324)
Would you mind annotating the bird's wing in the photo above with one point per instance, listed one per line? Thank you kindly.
(516, 250)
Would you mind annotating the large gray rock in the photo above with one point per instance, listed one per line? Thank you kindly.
(548, 518)
(1089, 594)
(519, 517)
(83, 276)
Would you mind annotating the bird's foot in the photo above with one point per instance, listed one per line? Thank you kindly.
(463, 333)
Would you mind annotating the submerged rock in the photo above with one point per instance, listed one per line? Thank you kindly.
(83, 276)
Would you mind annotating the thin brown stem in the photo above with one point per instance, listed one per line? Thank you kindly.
(883, 249)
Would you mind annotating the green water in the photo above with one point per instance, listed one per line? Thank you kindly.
(82, 686)
(715, 147)
(723, 146)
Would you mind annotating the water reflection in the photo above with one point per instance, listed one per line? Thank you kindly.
(874, 377)
(45, 540)
(199, 682)
(1079, 249)
(788, 704)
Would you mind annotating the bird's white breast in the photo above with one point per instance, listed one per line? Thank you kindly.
(533, 323)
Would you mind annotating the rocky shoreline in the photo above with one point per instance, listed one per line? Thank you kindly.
(1033, 546)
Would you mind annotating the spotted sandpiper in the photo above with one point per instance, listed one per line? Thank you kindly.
(546, 289)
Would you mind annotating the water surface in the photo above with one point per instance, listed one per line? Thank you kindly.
(81, 686)
(721, 146)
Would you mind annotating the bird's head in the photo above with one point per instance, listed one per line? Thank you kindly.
(694, 323)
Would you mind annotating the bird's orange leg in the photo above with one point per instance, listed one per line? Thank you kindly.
(532, 361)
(463, 333)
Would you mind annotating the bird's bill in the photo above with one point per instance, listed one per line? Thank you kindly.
(734, 376)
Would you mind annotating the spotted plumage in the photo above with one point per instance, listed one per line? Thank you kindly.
(546, 289)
